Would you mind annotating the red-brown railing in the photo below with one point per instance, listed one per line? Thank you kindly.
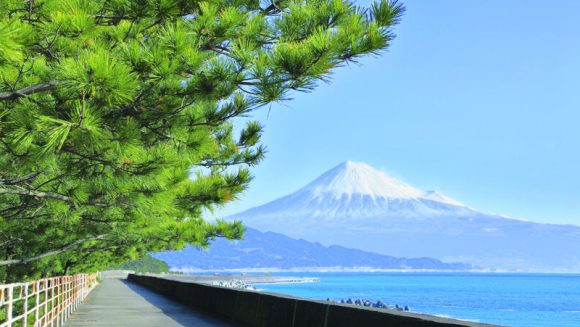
(43, 302)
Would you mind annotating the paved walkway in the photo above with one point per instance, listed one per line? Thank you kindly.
(116, 302)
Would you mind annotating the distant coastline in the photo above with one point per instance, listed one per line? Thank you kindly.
(310, 269)
(247, 279)
(267, 270)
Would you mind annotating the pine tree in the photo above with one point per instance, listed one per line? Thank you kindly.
(116, 116)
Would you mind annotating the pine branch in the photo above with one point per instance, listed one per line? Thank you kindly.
(18, 180)
(37, 194)
(13, 95)
(50, 253)
(46, 195)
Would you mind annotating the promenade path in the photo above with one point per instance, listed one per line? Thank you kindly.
(116, 302)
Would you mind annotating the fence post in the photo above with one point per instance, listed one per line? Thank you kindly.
(37, 304)
(82, 288)
(46, 313)
(60, 301)
(25, 320)
(67, 297)
(9, 306)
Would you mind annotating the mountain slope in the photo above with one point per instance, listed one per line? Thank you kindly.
(272, 250)
(357, 190)
(356, 206)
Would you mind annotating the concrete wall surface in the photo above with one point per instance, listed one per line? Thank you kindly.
(260, 309)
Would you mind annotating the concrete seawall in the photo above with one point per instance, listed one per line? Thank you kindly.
(259, 309)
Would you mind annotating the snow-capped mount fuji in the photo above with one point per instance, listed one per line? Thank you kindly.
(357, 190)
(357, 206)
(357, 178)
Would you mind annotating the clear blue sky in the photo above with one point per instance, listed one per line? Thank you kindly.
(479, 100)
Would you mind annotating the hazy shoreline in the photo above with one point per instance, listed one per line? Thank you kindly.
(359, 270)
(248, 279)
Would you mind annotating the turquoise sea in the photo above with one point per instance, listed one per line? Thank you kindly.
(525, 300)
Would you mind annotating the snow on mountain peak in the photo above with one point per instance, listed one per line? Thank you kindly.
(351, 177)
(355, 189)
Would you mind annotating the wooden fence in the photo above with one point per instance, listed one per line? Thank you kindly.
(44, 302)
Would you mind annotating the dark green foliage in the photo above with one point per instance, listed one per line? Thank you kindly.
(144, 264)
(116, 116)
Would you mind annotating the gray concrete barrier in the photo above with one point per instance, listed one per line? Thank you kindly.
(260, 309)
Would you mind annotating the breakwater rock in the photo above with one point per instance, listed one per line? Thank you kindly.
(368, 303)
(233, 283)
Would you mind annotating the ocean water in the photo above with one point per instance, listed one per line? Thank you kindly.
(525, 300)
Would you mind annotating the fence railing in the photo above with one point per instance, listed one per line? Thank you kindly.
(44, 302)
